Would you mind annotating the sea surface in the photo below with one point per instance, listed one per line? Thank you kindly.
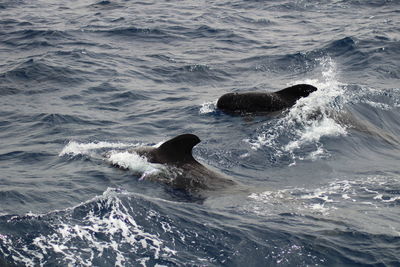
(79, 80)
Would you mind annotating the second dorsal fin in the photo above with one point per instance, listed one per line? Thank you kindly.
(177, 150)
(297, 91)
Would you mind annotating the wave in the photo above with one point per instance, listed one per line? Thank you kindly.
(101, 231)
(124, 228)
(344, 215)
(35, 71)
(34, 38)
(140, 34)
(351, 53)
(120, 228)
(224, 35)
(193, 74)
(25, 156)
(357, 194)
(88, 71)
(106, 5)
(55, 119)
(8, 90)
(307, 121)
(375, 54)
(297, 63)
(362, 4)
(345, 48)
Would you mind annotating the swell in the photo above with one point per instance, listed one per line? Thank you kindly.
(136, 228)
(193, 74)
(172, 34)
(31, 36)
(62, 119)
(352, 53)
(105, 223)
(352, 247)
(110, 69)
(25, 156)
(27, 77)
(334, 220)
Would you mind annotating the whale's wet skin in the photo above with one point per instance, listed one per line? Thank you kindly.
(264, 102)
(88, 86)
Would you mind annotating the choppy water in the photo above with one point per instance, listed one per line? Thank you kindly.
(79, 79)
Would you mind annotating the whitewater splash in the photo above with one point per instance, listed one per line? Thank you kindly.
(74, 148)
(308, 120)
(116, 155)
(104, 226)
(208, 107)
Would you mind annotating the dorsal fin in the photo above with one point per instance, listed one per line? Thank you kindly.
(178, 149)
(297, 91)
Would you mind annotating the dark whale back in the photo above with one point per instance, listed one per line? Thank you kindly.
(263, 101)
(250, 102)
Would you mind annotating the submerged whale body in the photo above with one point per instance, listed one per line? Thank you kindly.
(185, 172)
(263, 102)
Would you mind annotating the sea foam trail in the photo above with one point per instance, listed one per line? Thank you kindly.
(75, 148)
(341, 199)
(116, 154)
(135, 163)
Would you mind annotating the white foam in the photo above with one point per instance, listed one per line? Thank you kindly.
(132, 161)
(390, 199)
(308, 120)
(123, 159)
(317, 153)
(75, 148)
(318, 207)
(379, 105)
(313, 132)
(116, 227)
(135, 163)
(338, 195)
(384, 99)
(208, 107)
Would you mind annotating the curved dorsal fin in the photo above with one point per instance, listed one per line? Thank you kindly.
(297, 91)
(178, 149)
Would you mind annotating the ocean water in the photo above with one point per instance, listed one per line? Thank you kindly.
(83, 79)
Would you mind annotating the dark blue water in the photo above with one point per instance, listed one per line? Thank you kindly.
(80, 79)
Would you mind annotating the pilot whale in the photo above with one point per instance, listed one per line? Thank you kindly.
(263, 102)
(270, 103)
(184, 172)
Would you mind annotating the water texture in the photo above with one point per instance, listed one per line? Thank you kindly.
(81, 82)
